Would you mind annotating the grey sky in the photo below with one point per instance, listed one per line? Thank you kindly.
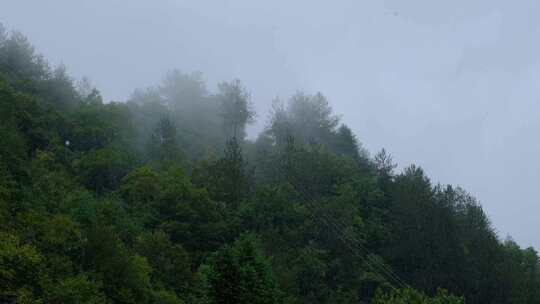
(449, 85)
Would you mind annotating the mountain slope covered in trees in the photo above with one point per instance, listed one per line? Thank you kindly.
(162, 199)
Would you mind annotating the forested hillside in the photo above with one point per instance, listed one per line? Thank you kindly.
(162, 199)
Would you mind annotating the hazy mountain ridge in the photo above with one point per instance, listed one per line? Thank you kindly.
(162, 200)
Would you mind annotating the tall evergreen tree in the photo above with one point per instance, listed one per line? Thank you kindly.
(236, 109)
(240, 274)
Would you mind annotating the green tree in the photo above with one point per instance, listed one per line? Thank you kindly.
(19, 266)
(102, 170)
(170, 262)
(189, 216)
(306, 118)
(141, 191)
(75, 290)
(236, 109)
(241, 274)
(228, 178)
(164, 143)
(126, 276)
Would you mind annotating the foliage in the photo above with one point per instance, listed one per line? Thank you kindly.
(240, 274)
(19, 264)
(163, 200)
(236, 109)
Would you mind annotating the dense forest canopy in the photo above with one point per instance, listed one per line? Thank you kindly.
(162, 199)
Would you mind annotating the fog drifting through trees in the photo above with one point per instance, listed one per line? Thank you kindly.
(164, 198)
(449, 86)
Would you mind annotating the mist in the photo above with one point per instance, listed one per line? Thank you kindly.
(449, 87)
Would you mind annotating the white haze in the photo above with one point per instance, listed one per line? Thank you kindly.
(449, 85)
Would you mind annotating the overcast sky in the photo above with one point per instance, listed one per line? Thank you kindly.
(448, 85)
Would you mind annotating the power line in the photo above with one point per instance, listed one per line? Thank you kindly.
(366, 256)
(369, 258)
